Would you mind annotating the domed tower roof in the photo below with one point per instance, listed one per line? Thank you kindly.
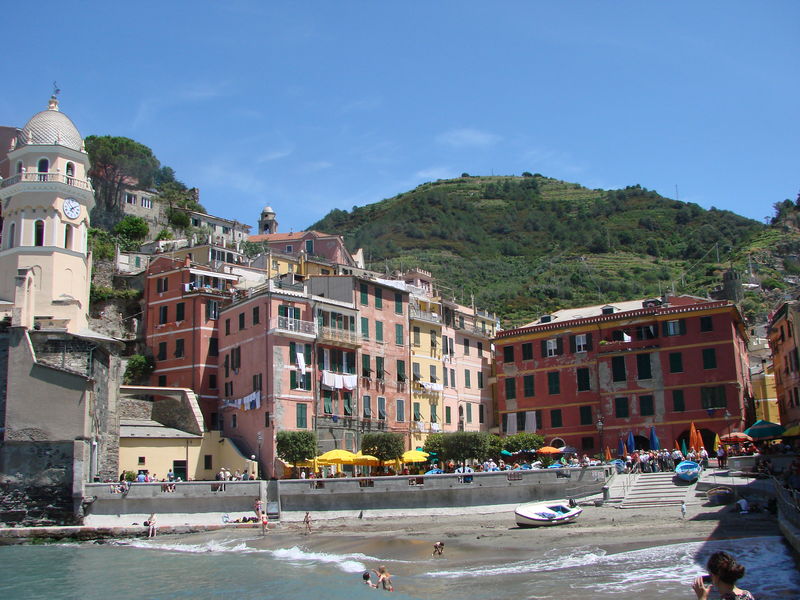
(50, 127)
(267, 210)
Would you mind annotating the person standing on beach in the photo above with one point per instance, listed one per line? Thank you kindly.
(307, 522)
(683, 510)
(438, 549)
(152, 527)
(725, 572)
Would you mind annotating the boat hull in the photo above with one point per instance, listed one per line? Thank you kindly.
(688, 470)
(545, 514)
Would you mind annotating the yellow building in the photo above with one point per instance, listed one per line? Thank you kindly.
(765, 395)
(150, 447)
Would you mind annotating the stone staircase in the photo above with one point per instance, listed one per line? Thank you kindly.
(653, 490)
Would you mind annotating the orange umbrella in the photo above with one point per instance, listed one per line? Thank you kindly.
(607, 455)
(693, 437)
(548, 450)
(677, 445)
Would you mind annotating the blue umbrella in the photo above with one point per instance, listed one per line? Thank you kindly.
(655, 444)
(620, 448)
(631, 442)
(764, 429)
(506, 453)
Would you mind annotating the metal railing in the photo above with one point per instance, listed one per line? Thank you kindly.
(46, 178)
(340, 335)
(294, 325)
(424, 315)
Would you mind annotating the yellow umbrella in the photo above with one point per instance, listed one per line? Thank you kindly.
(716, 442)
(337, 457)
(792, 431)
(414, 456)
(366, 460)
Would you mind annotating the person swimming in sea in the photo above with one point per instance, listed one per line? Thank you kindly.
(368, 579)
(384, 578)
(438, 549)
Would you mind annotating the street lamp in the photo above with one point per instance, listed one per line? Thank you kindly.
(260, 440)
(600, 423)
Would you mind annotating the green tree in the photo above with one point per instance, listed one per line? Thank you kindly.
(119, 162)
(434, 444)
(463, 445)
(384, 446)
(522, 441)
(131, 229)
(178, 219)
(139, 369)
(296, 446)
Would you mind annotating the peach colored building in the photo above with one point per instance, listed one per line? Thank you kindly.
(783, 341)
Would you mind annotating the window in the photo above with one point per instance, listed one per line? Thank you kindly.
(256, 315)
(448, 415)
(400, 404)
(643, 366)
(646, 332)
(364, 294)
(180, 311)
(179, 351)
(130, 199)
(528, 386)
(706, 324)
(378, 331)
(378, 298)
(580, 343)
(227, 326)
(163, 314)
(233, 421)
(586, 415)
(432, 372)
(379, 367)
(309, 246)
(398, 334)
(480, 380)
(675, 362)
(162, 381)
(417, 413)
(709, 358)
(401, 370)
(452, 378)
(444, 378)
(416, 334)
(43, 167)
(289, 248)
(621, 407)
(300, 417)
(466, 347)
(347, 400)
(511, 388)
(434, 415)
(676, 327)
(553, 383)
(646, 408)
(584, 382)
(147, 202)
(366, 370)
(381, 408)
(508, 353)
(207, 462)
(555, 418)
(257, 381)
(618, 368)
(141, 460)
(213, 346)
(327, 402)
(713, 397)
(551, 347)
(241, 321)
(415, 372)
(469, 412)
(467, 383)
(366, 402)
(481, 414)
(12, 232)
(212, 381)
(527, 351)
(398, 303)
(678, 403)
(212, 309)
(162, 351)
(364, 328)
(38, 233)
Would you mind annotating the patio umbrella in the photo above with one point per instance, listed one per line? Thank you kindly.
(620, 447)
(716, 442)
(655, 444)
(607, 455)
(693, 437)
(792, 431)
(764, 429)
(548, 450)
(506, 453)
(568, 450)
(683, 447)
(366, 460)
(735, 437)
(337, 457)
(677, 445)
(414, 456)
(631, 442)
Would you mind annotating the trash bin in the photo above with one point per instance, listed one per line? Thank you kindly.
(606, 493)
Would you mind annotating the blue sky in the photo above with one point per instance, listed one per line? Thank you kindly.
(319, 105)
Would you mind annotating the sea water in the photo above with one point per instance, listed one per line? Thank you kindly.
(235, 571)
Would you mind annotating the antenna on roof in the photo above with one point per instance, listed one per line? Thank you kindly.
(56, 90)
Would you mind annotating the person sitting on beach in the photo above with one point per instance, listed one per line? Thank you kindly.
(152, 526)
(438, 549)
(384, 578)
(368, 579)
(725, 572)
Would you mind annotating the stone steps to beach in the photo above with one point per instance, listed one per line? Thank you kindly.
(653, 490)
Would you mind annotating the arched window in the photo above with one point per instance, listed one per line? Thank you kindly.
(68, 237)
(70, 169)
(19, 166)
(12, 232)
(38, 233)
(43, 167)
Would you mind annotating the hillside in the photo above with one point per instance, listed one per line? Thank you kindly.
(522, 246)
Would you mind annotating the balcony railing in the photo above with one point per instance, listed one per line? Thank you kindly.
(294, 325)
(344, 336)
(424, 315)
(46, 178)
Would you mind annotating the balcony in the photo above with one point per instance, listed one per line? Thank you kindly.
(46, 178)
(424, 315)
(344, 337)
(293, 327)
(626, 345)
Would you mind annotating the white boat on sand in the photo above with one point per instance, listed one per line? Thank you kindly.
(538, 514)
